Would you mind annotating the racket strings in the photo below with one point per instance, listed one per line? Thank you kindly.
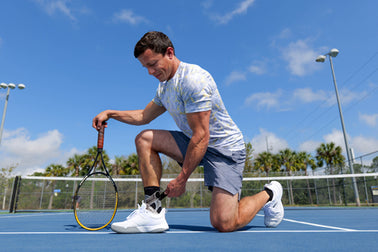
(96, 202)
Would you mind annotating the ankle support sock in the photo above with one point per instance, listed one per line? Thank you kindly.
(268, 191)
(148, 191)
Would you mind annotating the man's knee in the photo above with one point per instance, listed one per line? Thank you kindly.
(223, 224)
(143, 138)
(224, 210)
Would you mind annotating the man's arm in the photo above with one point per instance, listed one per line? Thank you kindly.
(134, 117)
(199, 123)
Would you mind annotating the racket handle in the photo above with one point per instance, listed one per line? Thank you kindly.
(100, 138)
(162, 195)
(156, 196)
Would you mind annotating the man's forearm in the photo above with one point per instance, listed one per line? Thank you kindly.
(196, 150)
(133, 117)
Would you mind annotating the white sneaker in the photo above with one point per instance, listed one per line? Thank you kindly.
(273, 210)
(143, 220)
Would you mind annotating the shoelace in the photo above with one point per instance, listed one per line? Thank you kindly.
(140, 209)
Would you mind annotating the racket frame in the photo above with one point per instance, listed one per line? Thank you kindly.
(92, 171)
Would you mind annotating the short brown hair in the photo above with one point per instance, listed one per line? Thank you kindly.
(154, 40)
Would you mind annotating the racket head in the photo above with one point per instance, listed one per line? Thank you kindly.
(95, 201)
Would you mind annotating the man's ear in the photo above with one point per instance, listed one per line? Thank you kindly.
(170, 52)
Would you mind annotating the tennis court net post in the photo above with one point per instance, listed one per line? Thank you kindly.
(14, 194)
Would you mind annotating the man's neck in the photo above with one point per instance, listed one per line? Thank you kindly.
(175, 66)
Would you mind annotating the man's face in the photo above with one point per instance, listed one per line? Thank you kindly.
(158, 65)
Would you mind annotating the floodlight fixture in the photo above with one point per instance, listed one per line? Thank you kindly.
(8, 87)
(321, 58)
(333, 53)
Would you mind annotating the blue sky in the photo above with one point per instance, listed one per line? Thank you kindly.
(76, 59)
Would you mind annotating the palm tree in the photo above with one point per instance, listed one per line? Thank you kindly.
(131, 165)
(331, 155)
(264, 162)
(374, 165)
(126, 165)
(305, 160)
(54, 170)
(74, 164)
(276, 167)
(88, 159)
(5, 175)
(117, 166)
(248, 160)
(287, 159)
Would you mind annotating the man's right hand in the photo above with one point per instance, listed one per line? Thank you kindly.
(100, 119)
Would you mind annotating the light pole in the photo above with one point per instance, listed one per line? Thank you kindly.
(9, 87)
(333, 53)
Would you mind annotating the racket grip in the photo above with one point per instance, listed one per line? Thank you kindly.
(162, 195)
(100, 138)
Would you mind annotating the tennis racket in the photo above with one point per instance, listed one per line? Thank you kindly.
(96, 197)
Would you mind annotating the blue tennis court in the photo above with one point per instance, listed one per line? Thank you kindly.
(303, 229)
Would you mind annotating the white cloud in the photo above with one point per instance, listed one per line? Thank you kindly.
(56, 6)
(309, 146)
(268, 141)
(347, 96)
(265, 99)
(128, 16)
(207, 4)
(258, 67)
(286, 100)
(364, 145)
(240, 9)
(337, 137)
(370, 120)
(300, 57)
(307, 95)
(360, 144)
(30, 155)
(235, 76)
(285, 34)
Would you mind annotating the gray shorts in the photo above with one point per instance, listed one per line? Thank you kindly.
(223, 168)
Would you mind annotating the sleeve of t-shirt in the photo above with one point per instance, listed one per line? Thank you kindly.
(197, 93)
(156, 99)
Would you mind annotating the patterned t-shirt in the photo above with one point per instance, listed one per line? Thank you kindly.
(192, 89)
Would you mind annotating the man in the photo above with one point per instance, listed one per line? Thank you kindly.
(208, 137)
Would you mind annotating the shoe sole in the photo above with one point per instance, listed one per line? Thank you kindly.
(134, 230)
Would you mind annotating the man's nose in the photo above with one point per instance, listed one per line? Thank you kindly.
(151, 70)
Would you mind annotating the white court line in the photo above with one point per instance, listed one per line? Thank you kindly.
(316, 225)
(194, 232)
(8, 216)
